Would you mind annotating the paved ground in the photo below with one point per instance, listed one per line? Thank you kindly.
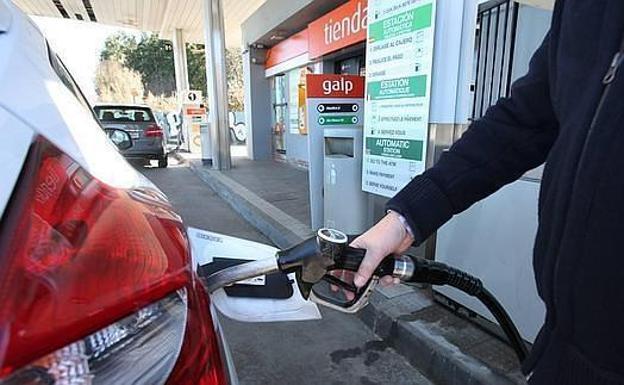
(337, 350)
(293, 184)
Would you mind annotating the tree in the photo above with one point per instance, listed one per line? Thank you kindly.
(152, 58)
(148, 55)
(116, 83)
(196, 57)
(234, 66)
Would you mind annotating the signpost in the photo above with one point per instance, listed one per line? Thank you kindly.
(399, 62)
(192, 97)
(333, 102)
(193, 116)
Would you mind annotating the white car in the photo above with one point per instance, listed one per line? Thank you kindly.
(98, 284)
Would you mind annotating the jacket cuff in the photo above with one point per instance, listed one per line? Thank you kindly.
(424, 206)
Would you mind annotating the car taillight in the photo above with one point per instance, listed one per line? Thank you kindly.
(95, 275)
(139, 349)
(153, 130)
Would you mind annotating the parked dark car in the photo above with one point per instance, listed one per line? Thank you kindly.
(148, 140)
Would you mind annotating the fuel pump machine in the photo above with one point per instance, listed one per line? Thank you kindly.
(335, 120)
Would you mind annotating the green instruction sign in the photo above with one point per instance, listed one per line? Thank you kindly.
(402, 23)
(409, 87)
(337, 120)
(399, 63)
(395, 148)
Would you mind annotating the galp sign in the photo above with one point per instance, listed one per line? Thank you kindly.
(341, 85)
(334, 86)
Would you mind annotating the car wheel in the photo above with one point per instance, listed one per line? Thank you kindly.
(240, 132)
(163, 162)
(233, 139)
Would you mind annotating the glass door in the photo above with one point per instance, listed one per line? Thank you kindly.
(280, 114)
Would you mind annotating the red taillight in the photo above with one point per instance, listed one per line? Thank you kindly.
(141, 348)
(77, 255)
(153, 130)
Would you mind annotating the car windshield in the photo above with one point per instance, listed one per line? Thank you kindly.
(123, 114)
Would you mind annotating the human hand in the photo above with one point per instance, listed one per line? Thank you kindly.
(346, 276)
(388, 236)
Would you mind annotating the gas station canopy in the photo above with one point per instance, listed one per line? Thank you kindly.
(160, 16)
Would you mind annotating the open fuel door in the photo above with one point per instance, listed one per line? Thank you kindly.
(267, 298)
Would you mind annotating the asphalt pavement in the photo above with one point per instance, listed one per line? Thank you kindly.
(337, 350)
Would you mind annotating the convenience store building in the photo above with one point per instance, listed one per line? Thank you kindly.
(469, 55)
(478, 48)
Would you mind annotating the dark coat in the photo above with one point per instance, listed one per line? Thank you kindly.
(566, 111)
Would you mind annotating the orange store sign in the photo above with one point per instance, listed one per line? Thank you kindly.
(342, 27)
(290, 48)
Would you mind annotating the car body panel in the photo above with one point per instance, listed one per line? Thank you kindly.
(225, 347)
(36, 96)
(13, 151)
(5, 18)
(34, 102)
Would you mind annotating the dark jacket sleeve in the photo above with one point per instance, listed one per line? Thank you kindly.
(514, 136)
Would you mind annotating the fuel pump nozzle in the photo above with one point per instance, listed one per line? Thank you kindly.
(314, 261)
(324, 265)
(310, 260)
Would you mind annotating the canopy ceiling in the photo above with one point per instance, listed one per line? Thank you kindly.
(160, 16)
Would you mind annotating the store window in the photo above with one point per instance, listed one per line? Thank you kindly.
(280, 113)
(351, 66)
(494, 53)
(297, 100)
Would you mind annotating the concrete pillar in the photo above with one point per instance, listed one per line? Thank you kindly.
(216, 82)
(466, 63)
(446, 60)
(258, 115)
(180, 63)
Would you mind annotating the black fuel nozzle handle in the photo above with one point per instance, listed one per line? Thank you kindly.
(351, 258)
(315, 258)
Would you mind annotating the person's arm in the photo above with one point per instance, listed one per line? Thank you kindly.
(514, 136)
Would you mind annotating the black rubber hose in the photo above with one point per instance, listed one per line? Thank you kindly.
(505, 323)
(436, 273)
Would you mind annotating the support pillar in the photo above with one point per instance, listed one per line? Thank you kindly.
(216, 82)
(257, 105)
(180, 63)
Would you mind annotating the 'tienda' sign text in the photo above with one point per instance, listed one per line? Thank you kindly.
(344, 26)
(336, 30)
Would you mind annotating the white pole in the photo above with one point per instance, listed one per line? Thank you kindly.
(216, 82)
(180, 62)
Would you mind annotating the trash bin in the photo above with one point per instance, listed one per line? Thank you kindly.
(344, 202)
(206, 145)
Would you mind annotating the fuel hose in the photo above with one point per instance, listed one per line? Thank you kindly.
(412, 269)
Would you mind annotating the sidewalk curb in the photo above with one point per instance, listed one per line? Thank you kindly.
(389, 311)
(423, 346)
